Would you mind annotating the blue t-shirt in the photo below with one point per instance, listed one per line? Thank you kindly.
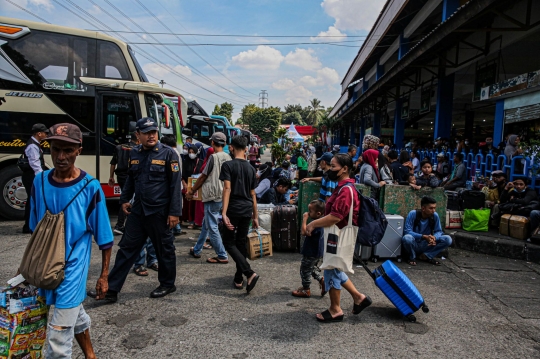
(327, 187)
(314, 244)
(86, 216)
(423, 227)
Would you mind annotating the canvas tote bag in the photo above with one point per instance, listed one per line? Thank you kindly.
(339, 244)
(44, 258)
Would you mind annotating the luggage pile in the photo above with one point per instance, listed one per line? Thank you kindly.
(23, 323)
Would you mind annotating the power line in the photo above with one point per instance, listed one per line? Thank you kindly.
(28, 11)
(250, 44)
(237, 35)
(211, 54)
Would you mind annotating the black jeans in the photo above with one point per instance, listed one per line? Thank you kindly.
(27, 179)
(138, 229)
(120, 223)
(235, 244)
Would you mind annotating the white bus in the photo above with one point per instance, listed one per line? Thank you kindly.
(51, 74)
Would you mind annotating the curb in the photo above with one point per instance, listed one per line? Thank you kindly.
(500, 247)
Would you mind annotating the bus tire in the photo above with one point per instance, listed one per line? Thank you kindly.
(13, 198)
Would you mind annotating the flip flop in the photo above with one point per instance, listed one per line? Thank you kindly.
(434, 262)
(207, 246)
(328, 318)
(411, 263)
(357, 308)
(217, 260)
(235, 285)
(140, 271)
(251, 285)
(191, 253)
(154, 266)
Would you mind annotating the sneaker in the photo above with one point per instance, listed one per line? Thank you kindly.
(302, 293)
(118, 230)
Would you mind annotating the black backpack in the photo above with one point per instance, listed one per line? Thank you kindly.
(472, 199)
(372, 222)
(418, 218)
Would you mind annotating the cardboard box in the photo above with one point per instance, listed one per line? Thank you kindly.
(454, 219)
(514, 226)
(198, 195)
(256, 245)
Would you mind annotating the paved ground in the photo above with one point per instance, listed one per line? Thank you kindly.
(481, 307)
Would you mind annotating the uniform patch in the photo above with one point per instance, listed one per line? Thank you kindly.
(175, 167)
(158, 162)
(134, 162)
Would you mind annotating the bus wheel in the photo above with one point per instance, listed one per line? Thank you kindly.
(13, 193)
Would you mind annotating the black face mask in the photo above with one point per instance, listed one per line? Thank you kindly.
(333, 175)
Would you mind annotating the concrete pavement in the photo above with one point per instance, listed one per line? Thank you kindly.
(480, 307)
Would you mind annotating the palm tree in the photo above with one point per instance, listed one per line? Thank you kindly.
(315, 112)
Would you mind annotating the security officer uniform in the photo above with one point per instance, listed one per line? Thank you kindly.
(154, 178)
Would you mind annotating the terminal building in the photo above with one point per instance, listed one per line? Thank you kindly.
(454, 69)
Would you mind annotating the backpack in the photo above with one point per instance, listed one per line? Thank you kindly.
(418, 218)
(372, 222)
(44, 258)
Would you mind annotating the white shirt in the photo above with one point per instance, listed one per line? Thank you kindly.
(33, 152)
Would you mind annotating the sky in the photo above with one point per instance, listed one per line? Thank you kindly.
(292, 70)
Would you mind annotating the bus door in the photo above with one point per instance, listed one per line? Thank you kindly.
(116, 111)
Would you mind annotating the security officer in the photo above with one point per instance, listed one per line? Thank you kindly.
(119, 166)
(32, 163)
(154, 178)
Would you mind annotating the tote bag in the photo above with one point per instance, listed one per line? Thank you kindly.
(339, 244)
(476, 220)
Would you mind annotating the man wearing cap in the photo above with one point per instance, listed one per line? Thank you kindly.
(71, 190)
(212, 196)
(443, 168)
(154, 179)
(33, 164)
(327, 186)
(495, 188)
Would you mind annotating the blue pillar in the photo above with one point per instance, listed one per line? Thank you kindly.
(365, 85)
(448, 8)
(498, 127)
(445, 103)
(399, 125)
(377, 124)
(403, 46)
(379, 72)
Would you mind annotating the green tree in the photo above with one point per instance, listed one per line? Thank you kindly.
(293, 108)
(247, 112)
(315, 112)
(264, 122)
(292, 117)
(225, 110)
(217, 110)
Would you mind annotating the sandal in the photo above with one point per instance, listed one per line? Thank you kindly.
(154, 266)
(328, 318)
(411, 262)
(323, 287)
(238, 285)
(191, 226)
(191, 253)
(207, 246)
(217, 260)
(357, 308)
(140, 271)
(434, 262)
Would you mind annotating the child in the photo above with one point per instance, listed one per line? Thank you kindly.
(312, 251)
(412, 181)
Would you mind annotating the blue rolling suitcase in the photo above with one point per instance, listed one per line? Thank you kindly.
(398, 288)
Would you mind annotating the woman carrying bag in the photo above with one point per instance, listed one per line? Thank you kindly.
(339, 230)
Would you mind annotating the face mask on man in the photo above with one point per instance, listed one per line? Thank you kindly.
(192, 156)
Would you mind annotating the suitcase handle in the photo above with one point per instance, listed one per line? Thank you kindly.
(364, 264)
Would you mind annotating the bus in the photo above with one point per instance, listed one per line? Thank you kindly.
(51, 74)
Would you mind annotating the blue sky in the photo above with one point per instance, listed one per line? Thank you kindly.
(290, 73)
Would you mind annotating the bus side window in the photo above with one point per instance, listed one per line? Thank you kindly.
(111, 62)
(118, 112)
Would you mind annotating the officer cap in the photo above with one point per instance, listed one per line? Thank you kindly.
(146, 124)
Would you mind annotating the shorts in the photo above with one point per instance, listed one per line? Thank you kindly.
(334, 278)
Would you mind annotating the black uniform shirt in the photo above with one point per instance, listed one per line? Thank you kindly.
(154, 177)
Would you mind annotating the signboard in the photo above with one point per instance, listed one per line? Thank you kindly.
(405, 109)
(484, 77)
(524, 81)
(425, 100)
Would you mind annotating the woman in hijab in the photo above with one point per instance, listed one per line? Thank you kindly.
(512, 149)
(370, 142)
(264, 177)
(369, 173)
(199, 206)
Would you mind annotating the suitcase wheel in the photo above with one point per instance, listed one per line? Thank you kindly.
(425, 309)
(411, 318)
(399, 259)
(374, 259)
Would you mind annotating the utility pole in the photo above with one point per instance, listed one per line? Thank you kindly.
(162, 83)
(263, 99)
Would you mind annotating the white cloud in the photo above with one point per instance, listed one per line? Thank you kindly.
(94, 10)
(298, 94)
(330, 35)
(283, 84)
(304, 59)
(308, 81)
(327, 76)
(262, 58)
(164, 72)
(46, 4)
(353, 14)
(43, 3)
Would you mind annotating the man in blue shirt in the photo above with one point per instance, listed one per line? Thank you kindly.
(423, 233)
(327, 186)
(85, 217)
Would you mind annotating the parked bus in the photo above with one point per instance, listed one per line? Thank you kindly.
(51, 74)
